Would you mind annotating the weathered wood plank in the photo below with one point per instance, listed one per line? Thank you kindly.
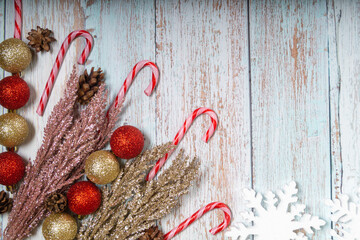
(334, 86)
(290, 106)
(305, 82)
(345, 86)
(202, 52)
(124, 34)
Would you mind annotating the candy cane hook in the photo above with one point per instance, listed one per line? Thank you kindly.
(200, 213)
(181, 133)
(18, 8)
(130, 78)
(59, 60)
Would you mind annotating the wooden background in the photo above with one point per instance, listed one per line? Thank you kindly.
(283, 77)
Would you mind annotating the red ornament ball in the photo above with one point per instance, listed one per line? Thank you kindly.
(14, 92)
(127, 142)
(12, 168)
(84, 198)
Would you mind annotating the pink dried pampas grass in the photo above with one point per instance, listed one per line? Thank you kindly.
(69, 138)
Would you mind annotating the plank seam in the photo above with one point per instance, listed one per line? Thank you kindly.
(156, 103)
(252, 174)
(330, 119)
(250, 95)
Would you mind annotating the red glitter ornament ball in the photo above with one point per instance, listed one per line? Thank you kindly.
(14, 92)
(127, 142)
(12, 168)
(83, 198)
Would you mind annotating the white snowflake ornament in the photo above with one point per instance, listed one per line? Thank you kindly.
(275, 217)
(346, 216)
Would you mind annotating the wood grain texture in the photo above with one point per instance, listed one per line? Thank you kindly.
(283, 77)
(346, 85)
(202, 51)
(290, 105)
(124, 34)
(334, 94)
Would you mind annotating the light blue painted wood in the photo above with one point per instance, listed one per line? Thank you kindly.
(202, 51)
(299, 52)
(289, 96)
(334, 84)
(345, 82)
(124, 35)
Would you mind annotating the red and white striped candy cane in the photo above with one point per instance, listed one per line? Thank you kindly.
(59, 60)
(199, 214)
(130, 78)
(181, 133)
(17, 30)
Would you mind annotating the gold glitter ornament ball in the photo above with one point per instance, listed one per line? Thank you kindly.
(13, 130)
(102, 167)
(59, 226)
(15, 55)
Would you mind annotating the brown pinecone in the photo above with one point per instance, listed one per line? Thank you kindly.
(5, 202)
(40, 39)
(152, 233)
(56, 202)
(89, 84)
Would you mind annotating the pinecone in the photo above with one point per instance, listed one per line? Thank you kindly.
(152, 233)
(56, 202)
(40, 39)
(89, 84)
(5, 202)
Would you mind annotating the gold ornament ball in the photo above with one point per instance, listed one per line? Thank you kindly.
(102, 167)
(15, 55)
(13, 130)
(59, 226)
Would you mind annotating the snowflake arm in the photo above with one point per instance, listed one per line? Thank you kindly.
(346, 216)
(275, 217)
(287, 196)
(254, 200)
(307, 222)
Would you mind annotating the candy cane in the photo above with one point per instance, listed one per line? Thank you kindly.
(59, 60)
(198, 215)
(17, 30)
(130, 78)
(181, 133)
